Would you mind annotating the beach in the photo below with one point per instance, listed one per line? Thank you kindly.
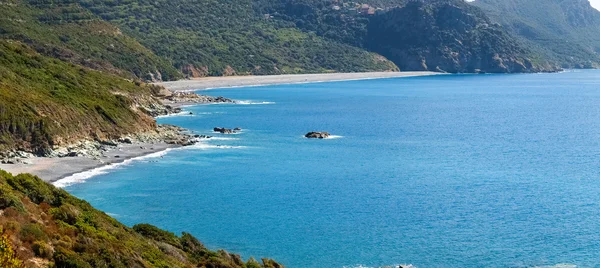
(53, 169)
(241, 81)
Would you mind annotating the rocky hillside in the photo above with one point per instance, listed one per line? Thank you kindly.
(448, 36)
(436, 35)
(565, 31)
(42, 226)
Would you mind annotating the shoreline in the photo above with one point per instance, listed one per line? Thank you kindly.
(56, 169)
(207, 83)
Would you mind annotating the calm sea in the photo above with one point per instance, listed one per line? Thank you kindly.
(443, 171)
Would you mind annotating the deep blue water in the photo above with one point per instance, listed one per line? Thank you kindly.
(445, 171)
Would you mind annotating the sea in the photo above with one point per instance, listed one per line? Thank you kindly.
(436, 171)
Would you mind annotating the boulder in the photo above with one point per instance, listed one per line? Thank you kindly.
(317, 135)
(224, 130)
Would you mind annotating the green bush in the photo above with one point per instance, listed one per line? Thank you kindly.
(157, 234)
(32, 232)
(42, 250)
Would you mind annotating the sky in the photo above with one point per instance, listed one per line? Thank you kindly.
(595, 3)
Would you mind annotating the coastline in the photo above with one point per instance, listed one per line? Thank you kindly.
(56, 169)
(53, 169)
(246, 81)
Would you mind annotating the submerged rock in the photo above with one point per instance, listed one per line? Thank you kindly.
(317, 135)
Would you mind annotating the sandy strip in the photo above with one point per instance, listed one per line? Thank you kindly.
(240, 81)
(53, 169)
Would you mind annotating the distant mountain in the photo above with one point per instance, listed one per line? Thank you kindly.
(437, 35)
(566, 31)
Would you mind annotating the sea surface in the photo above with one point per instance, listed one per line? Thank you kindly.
(441, 171)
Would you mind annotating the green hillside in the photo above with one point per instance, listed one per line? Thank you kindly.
(46, 102)
(65, 30)
(564, 31)
(52, 228)
(228, 37)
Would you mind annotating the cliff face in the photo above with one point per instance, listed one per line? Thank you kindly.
(448, 36)
(563, 31)
(42, 226)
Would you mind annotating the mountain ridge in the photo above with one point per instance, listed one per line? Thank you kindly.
(563, 31)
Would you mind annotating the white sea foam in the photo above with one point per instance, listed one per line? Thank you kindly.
(387, 266)
(85, 175)
(560, 265)
(182, 113)
(247, 102)
(222, 139)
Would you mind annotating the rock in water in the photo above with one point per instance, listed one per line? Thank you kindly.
(223, 130)
(317, 135)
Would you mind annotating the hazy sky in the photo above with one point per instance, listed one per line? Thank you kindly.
(595, 3)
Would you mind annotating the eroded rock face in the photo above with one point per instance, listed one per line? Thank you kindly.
(317, 135)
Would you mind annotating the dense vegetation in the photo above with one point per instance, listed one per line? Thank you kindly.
(46, 102)
(65, 30)
(49, 227)
(229, 37)
(567, 32)
(436, 35)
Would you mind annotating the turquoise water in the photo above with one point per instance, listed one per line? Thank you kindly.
(445, 171)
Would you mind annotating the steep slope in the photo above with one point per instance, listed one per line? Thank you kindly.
(436, 35)
(65, 30)
(449, 36)
(46, 102)
(228, 37)
(42, 226)
(566, 31)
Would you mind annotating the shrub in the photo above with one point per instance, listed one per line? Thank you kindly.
(32, 232)
(153, 232)
(66, 213)
(8, 199)
(8, 258)
(42, 250)
(68, 259)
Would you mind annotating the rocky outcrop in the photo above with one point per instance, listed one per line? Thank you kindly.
(96, 149)
(317, 135)
(223, 130)
(193, 98)
(190, 71)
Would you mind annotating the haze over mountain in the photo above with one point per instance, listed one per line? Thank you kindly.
(567, 32)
